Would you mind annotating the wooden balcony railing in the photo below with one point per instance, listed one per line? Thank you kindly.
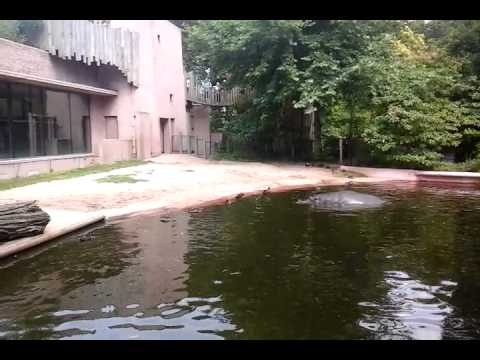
(200, 94)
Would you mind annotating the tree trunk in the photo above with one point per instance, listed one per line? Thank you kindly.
(256, 146)
(321, 115)
(350, 136)
(21, 219)
(318, 116)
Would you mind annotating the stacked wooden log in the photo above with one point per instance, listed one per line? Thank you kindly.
(21, 219)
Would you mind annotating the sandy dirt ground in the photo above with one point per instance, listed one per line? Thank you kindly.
(173, 182)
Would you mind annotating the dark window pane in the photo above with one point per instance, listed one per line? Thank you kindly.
(21, 138)
(43, 136)
(43, 122)
(80, 123)
(4, 140)
(20, 101)
(87, 131)
(57, 108)
(3, 100)
(37, 100)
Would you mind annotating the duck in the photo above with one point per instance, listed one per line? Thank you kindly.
(87, 237)
(239, 196)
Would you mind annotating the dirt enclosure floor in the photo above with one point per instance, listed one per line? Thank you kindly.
(174, 181)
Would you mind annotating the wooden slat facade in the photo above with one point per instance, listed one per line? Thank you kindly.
(90, 43)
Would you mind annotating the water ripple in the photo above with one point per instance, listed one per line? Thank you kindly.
(411, 309)
(189, 318)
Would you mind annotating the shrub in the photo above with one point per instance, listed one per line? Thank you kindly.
(472, 165)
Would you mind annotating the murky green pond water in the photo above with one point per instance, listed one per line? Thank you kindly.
(265, 268)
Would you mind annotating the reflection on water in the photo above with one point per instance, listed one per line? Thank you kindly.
(411, 310)
(123, 282)
(261, 268)
(189, 318)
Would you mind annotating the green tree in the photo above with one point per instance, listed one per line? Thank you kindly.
(404, 88)
(413, 114)
(256, 54)
(23, 31)
(9, 30)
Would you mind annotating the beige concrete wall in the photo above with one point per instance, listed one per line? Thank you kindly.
(32, 61)
(199, 122)
(144, 135)
(34, 166)
(161, 74)
(139, 109)
(115, 150)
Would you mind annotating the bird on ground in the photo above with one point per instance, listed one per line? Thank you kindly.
(239, 196)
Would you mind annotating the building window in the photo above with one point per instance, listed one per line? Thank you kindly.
(58, 109)
(4, 139)
(80, 116)
(158, 38)
(171, 97)
(4, 123)
(36, 121)
(111, 127)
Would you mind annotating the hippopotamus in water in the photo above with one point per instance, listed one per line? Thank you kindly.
(343, 200)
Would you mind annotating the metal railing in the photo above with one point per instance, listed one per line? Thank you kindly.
(194, 145)
(198, 93)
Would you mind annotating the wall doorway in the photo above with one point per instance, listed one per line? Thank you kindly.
(163, 134)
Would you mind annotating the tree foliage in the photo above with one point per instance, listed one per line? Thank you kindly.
(20, 30)
(413, 115)
(9, 30)
(406, 89)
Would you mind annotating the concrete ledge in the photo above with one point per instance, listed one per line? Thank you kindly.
(415, 175)
(62, 223)
(450, 177)
(55, 84)
(386, 173)
(45, 158)
(17, 168)
(449, 173)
